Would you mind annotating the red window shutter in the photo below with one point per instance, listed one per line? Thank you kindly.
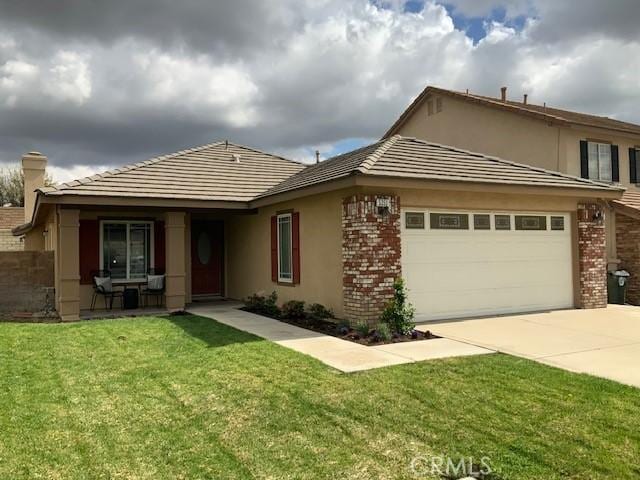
(89, 237)
(295, 245)
(159, 257)
(274, 248)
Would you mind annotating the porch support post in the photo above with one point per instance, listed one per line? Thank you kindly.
(175, 225)
(67, 265)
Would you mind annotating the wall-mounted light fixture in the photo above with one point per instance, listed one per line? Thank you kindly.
(383, 204)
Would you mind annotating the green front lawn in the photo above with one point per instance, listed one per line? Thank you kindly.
(186, 397)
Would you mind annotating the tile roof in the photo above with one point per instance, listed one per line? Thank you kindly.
(209, 172)
(11, 217)
(410, 158)
(538, 111)
(629, 200)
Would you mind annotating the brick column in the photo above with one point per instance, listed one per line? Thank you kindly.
(370, 255)
(592, 256)
(67, 265)
(628, 251)
(175, 245)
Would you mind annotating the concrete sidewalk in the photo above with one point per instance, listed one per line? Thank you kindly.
(340, 354)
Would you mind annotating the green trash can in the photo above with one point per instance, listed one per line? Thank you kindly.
(617, 286)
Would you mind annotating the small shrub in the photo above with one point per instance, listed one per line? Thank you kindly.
(399, 313)
(362, 329)
(319, 311)
(263, 305)
(383, 332)
(343, 327)
(293, 309)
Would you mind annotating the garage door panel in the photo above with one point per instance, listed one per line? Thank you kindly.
(462, 273)
(472, 276)
(469, 248)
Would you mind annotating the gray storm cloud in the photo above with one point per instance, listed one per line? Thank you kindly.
(104, 83)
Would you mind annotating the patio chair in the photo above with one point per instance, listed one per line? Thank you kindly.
(154, 287)
(102, 286)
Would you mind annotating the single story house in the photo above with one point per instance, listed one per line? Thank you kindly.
(471, 234)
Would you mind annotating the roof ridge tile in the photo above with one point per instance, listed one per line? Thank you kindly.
(373, 157)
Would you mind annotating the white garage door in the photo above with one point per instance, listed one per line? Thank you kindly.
(460, 264)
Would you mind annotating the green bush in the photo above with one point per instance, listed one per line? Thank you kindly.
(293, 309)
(383, 332)
(399, 313)
(362, 329)
(263, 305)
(319, 311)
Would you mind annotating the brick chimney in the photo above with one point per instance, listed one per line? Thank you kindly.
(33, 167)
(503, 94)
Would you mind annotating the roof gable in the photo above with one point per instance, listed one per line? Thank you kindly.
(541, 112)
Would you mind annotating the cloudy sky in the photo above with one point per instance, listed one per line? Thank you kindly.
(95, 84)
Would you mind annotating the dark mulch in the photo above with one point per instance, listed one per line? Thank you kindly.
(339, 330)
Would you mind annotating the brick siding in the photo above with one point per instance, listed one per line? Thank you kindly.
(8, 242)
(628, 251)
(370, 256)
(592, 256)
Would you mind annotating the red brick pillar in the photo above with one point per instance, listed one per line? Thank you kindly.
(370, 255)
(628, 251)
(592, 256)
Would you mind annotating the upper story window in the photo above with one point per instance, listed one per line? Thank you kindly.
(600, 161)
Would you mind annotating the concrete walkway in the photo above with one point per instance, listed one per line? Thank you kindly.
(335, 352)
(602, 342)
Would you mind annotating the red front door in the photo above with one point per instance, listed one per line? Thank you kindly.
(207, 241)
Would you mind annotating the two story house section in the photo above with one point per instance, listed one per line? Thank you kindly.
(594, 147)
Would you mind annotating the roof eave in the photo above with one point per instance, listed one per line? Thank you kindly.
(608, 193)
(151, 202)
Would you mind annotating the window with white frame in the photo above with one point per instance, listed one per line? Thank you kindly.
(126, 248)
(285, 251)
(600, 161)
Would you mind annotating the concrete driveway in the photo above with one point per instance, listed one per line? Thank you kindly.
(603, 342)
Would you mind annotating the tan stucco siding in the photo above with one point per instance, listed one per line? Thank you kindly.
(481, 129)
(249, 255)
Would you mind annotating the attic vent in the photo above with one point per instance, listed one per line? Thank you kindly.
(236, 157)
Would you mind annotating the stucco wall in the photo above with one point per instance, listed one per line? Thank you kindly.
(482, 129)
(249, 257)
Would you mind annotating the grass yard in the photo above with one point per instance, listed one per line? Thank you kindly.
(188, 398)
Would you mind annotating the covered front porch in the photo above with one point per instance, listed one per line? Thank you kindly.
(187, 248)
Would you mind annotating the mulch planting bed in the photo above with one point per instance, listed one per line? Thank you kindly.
(340, 330)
